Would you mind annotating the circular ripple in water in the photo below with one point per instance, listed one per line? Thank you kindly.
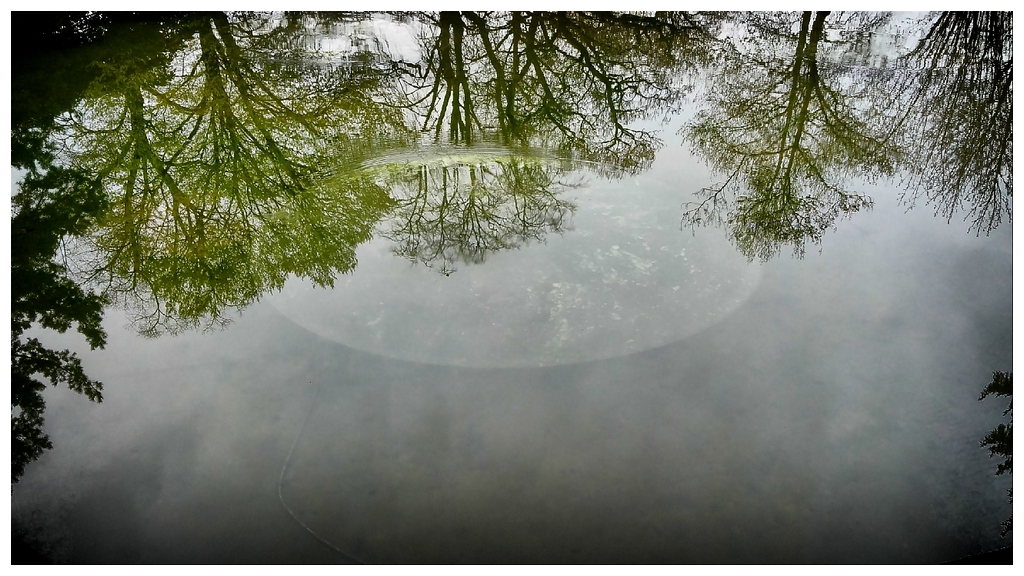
(502, 262)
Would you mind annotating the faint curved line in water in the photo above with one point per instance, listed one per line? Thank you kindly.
(280, 485)
(354, 344)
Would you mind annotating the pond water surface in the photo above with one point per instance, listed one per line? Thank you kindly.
(518, 288)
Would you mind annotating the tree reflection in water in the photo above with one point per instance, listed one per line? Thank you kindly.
(958, 106)
(568, 85)
(470, 208)
(52, 203)
(784, 130)
(789, 131)
(217, 174)
(571, 82)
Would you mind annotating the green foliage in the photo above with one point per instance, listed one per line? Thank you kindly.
(999, 441)
(228, 163)
(47, 209)
(222, 174)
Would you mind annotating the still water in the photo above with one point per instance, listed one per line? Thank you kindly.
(517, 288)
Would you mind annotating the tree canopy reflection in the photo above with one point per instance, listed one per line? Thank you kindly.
(53, 202)
(999, 440)
(957, 88)
(569, 85)
(572, 82)
(467, 209)
(227, 164)
(783, 129)
(217, 174)
(789, 123)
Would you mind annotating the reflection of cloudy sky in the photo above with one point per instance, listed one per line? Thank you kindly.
(17, 174)
(900, 34)
(398, 40)
(831, 418)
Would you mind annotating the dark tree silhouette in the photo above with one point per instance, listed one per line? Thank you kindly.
(1000, 440)
(48, 207)
(53, 203)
